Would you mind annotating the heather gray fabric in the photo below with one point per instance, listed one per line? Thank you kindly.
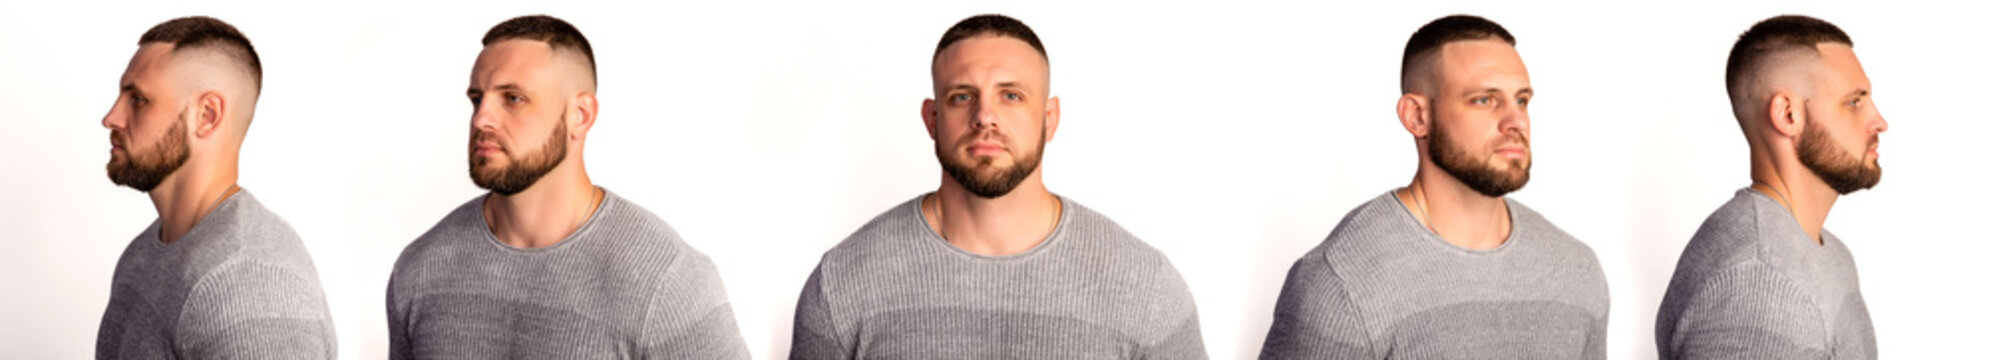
(1753, 285)
(1382, 286)
(896, 290)
(621, 286)
(238, 285)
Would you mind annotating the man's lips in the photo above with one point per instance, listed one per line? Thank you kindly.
(1514, 150)
(985, 149)
(486, 149)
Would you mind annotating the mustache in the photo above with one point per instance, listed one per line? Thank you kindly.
(1513, 138)
(479, 137)
(989, 135)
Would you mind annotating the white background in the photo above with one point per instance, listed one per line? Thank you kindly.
(1232, 137)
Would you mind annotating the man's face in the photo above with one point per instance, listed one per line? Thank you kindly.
(147, 123)
(992, 112)
(517, 132)
(1479, 127)
(1840, 142)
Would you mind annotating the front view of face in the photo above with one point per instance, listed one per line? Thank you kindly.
(147, 123)
(989, 118)
(1480, 128)
(1840, 143)
(517, 133)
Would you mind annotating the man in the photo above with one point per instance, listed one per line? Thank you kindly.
(993, 265)
(217, 275)
(1762, 278)
(547, 265)
(1448, 267)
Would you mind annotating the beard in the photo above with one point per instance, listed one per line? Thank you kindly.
(981, 177)
(524, 171)
(144, 170)
(1479, 175)
(1828, 159)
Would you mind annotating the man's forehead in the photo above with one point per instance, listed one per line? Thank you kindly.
(148, 62)
(1474, 60)
(989, 55)
(1841, 62)
(512, 61)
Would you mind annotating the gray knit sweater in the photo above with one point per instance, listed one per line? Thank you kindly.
(896, 290)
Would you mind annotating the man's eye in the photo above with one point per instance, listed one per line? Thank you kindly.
(961, 98)
(1012, 96)
(1524, 101)
(514, 98)
(1481, 100)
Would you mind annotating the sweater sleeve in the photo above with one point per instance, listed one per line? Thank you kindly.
(689, 316)
(1314, 318)
(251, 310)
(814, 331)
(1748, 311)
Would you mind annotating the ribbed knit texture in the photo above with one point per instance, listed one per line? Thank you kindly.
(1753, 285)
(1382, 286)
(621, 286)
(238, 285)
(896, 290)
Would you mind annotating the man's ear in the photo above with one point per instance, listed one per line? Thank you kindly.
(209, 113)
(1785, 114)
(930, 112)
(586, 109)
(1413, 110)
(1052, 114)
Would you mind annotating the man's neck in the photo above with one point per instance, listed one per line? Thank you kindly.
(545, 213)
(1456, 213)
(1007, 225)
(187, 196)
(1806, 196)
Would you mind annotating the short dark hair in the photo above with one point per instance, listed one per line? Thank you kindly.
(996, 24)
(1775, 35)
(205, 32)
(1432, 36)
(554, 32)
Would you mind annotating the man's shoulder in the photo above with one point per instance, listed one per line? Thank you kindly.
(1369, 228)
(243, 230)
(623, 226)
(1730, 236)
(1549, 237)
(463, 222)
(886, 235)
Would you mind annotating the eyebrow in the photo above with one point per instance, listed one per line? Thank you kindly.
(1495, 90)
(1006, 84)
(1860, 93)
(511, 86)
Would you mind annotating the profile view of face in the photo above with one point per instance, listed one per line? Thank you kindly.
(1479, 126)
(1840, 142)
(517, 132)
(989, 117)
(148, 122)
